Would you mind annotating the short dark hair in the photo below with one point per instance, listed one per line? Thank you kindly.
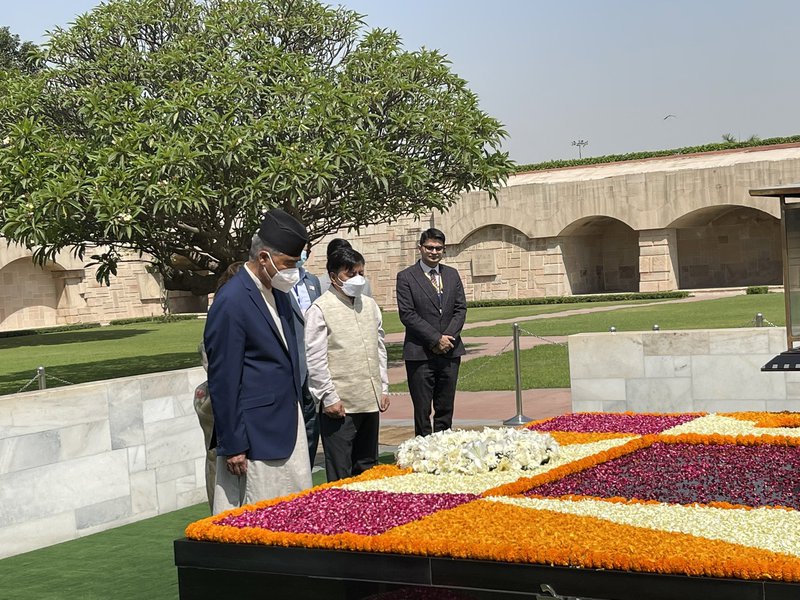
(228, 274)
(431, 234)
(344, 259)
(337, 244)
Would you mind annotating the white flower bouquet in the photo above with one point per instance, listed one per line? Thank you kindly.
(474, 452)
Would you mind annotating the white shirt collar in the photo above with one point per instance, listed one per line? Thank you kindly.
(257, 281)
(426, 269)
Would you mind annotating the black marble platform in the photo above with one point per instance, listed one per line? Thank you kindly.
(214, 571)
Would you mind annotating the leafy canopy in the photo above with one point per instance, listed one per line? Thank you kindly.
(168, 126)
(15, 54)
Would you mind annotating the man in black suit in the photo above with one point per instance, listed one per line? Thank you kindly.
(433, 308)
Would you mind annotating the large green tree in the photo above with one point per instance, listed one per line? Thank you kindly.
(15, 54)
(168, 126)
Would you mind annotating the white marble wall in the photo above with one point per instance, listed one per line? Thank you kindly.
(80, 459)
(710, 370)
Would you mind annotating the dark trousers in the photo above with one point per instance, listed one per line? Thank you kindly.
(432, 381)
(312, 422)
(350, 444)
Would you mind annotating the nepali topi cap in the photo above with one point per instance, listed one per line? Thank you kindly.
(282, 232)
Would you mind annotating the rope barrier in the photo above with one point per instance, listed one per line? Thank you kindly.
(488, 362)
(471, 374)
(40, 372)
(27, 385)
(544, 339)
(758, 321)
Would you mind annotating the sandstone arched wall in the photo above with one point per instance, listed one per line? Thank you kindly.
(532, 241)
(738, 247)
(66, 291)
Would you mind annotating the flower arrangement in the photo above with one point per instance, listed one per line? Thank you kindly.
(475, 452)
(694, 494)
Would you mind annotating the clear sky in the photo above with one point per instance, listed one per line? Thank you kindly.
(604, 71)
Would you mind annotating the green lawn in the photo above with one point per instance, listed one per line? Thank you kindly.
(132, 562)
(734, 311)
(548, 366)
(100, 353)
(391, 320)
(545, 366)
(121, 350)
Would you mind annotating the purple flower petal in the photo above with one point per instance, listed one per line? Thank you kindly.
(614, 423)
(761, 475)
(333, 511)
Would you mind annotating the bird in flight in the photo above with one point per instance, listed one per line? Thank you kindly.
(668, 116)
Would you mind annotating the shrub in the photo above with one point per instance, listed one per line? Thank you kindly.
(41, 330)
(714, 147)
(757, 289)
(156, 319)
(622, 297)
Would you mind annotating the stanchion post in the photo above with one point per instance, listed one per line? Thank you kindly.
(42, 377)
(519, 418)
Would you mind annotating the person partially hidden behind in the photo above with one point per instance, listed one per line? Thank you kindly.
(304, 292)
(433, 308)
(254, 375)
(347, 367)
(202, 402)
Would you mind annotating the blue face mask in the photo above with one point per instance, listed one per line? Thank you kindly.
(303, 259)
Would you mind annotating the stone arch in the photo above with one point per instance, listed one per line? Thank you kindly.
(600, 254)
(728, 246)
(30, 295)
(466, 231)
(495, 261)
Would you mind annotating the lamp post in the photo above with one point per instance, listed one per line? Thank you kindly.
(789, 196)
(580, 144)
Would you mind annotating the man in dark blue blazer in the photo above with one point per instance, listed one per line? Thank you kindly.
(254, 372)
(303, 294)
(432, 306)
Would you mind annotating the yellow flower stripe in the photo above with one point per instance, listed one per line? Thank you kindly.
(741, 440)
(567, 438)
(765, 419)
(719, 424)
(426, 483)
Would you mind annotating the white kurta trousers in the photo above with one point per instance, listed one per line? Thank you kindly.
(265, 478)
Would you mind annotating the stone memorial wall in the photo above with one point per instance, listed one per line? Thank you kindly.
(84, 458)
(707, 370)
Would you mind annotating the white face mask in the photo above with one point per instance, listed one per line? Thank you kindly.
(353, 286)
(284, 280)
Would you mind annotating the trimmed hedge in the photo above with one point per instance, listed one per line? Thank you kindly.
(622, 297)
(757, 289)
(596, 160)
(77, 326)
(56, 329)
(157, 319)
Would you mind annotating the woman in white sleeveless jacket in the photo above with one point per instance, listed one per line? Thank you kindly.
(347, 372)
